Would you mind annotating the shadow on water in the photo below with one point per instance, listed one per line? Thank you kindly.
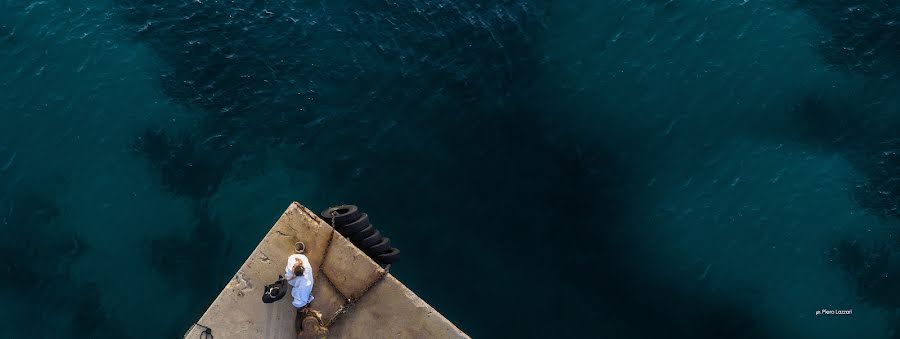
(864, 137)
(186, 260)
(543, 223)
(443, 114)
(24, 246)
(193, 262)
(186, 167)
(863, 35)
(875, 271)
(37, 255)
(91, 320)
(867, 138)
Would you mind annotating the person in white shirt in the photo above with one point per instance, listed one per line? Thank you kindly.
(299, 274)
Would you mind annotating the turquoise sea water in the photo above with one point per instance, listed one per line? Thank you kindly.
(633, 169)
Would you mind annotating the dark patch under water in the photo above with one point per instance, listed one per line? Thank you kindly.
(186, 261)
(862, 35)
(37, 256)
(449, 123)
(186, 167)
(25, 213)
(490, 96)
(870, 143)
(874, 269)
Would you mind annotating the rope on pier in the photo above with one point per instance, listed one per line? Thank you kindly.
(348, 302)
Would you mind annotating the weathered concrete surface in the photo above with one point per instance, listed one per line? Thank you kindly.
(355, 295)
(349, 269)
(390, 301)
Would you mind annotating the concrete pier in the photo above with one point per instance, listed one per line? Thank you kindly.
(357, 297)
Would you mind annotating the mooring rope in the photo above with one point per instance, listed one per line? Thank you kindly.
(348, 302)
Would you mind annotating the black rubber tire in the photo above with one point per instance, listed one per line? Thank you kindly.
(381, 247)
(370, 240)
(354, 227)
(365, 233)
(388, 258)
(345, 214)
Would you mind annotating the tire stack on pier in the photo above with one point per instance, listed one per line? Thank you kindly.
(355, 226)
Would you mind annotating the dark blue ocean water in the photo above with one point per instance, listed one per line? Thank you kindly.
(617, 169)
